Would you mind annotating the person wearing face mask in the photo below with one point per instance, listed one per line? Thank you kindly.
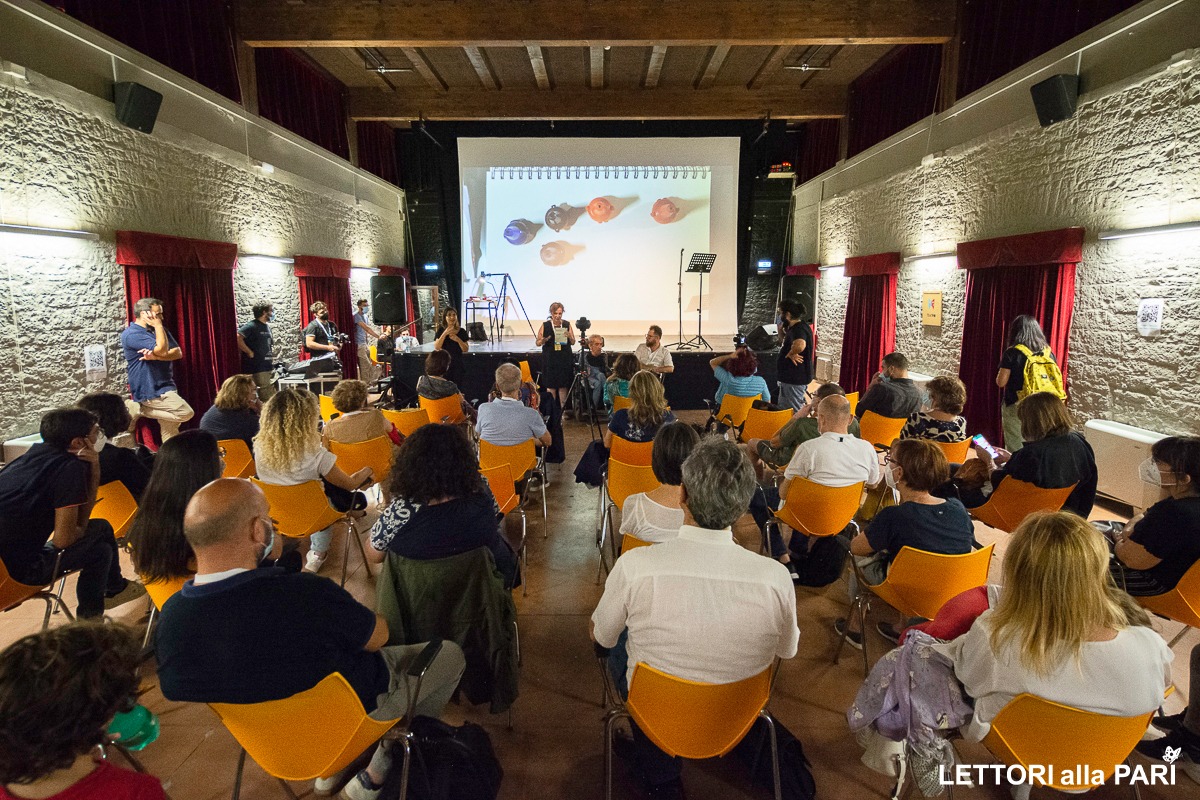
(1154, 550)
(892, 393)
(256, 344)
(321, 332)
(795, 365)
(912, 468)
(364, 335)
(130, 466)
(48, 494)
(150, 350)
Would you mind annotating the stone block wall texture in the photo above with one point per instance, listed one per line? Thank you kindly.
(1128, 158)
(64, 161)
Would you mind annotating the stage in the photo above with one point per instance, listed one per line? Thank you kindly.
(687, 387)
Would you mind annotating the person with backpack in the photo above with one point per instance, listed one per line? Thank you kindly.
(1028, 366)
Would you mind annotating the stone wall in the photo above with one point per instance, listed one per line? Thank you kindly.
(1129, 157)
(65, 162)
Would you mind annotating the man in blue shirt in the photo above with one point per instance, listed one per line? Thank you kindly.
(149, 350)
(364, 337)
(256, 343)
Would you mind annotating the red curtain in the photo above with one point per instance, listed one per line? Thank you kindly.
(803, 269)
(1032, 274)
(194, 279)
(818, 149)
(377, 150)
(328, 280)
(893, 94)
(870, 330)
(295, 94)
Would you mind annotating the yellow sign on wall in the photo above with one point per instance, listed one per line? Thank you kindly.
(931, 309)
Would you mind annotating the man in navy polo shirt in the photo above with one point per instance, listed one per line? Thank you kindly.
(149, 350)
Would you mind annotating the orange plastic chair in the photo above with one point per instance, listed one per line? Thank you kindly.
(691, 719)
(621, 481)
(1181, 604)
(636, 454)
(115, 504)
(880, 431)
(407, 420)
(1032, 730)
(13, 593)
(629, 542)
(521, 459)
(761, 424)
(446, 409)
(620, 402)
(160, 592)
(303, 509)
(239, 461)
(733, 410)
(328, 412)
(374, 453)
(852, 399)
(955, 452)
(816, 510)
(527, 373)
(504, 489)
(1014, 500)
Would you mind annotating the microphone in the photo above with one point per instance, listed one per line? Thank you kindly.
(492, 274)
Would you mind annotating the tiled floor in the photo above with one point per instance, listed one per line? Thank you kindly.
(554, 751)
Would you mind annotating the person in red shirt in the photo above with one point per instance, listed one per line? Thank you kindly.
(59, 690)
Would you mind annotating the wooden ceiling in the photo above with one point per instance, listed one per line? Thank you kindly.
(594, 59)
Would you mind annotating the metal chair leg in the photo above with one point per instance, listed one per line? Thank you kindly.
(609, 722)
(774, 754)
(406, 743)
(1179, 636)
(287, 789)
(346, 548)
(150, 625)
(237, 777)
(604, 531)
(524, 557)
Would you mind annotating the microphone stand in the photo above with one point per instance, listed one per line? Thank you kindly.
(679, 300)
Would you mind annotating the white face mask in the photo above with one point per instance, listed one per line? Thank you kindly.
(1148, 471)
(890, 477)
(101, 440)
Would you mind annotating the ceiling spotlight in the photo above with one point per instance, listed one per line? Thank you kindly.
(382, 70)
(806, 67)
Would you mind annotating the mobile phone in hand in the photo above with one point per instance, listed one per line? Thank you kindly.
(984, 445)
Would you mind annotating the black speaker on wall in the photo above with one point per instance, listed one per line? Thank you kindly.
(1055, 98)
(764, 337)
(388, 299)
(137, 105)
(803, 290)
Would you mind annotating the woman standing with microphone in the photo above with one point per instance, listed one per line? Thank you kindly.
(556, 338)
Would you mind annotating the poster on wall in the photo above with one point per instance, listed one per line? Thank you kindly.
(1150, 316)
(931, 309)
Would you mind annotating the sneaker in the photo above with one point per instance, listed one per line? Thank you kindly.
(791, 568)
(314, 561)
(1168, 724)
(1184, 747)
(360, 787)
(853, 638)
(132, 591)
(889, 631)
(324, 787)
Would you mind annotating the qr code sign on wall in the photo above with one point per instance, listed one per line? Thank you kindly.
(1150, 316)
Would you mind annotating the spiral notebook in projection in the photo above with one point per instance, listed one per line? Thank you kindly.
(615, 253)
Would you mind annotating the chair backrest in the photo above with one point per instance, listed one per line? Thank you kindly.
(239, 461)
(691, 719)
(374, 453)
(309, 735)
(115, 504)
(631, 542)
(733, 410)
(819, 510)
(1014, 500)
(407, 420)
(328, 412)
(373, 351)
(444, 409)
(500, 481)
(762, 424)
(620, 402)
(627, 479)
(636, 453)
(519, 457)
(299, 510)
(919, 583)
(955, 452)
(162, 591)
(526, 373)
(12, 591)
(852, 399)
(1182, 603)
(1031, 730)
(880, 431)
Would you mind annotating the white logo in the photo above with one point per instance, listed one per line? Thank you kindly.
(1171, 753)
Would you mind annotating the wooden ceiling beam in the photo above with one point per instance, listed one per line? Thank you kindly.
(517, 104)
(715, 59)
(642, 23)
(483, 68)
(596, 67)
(537, 60)
(424, 68)
(654, 67)
(770, 67)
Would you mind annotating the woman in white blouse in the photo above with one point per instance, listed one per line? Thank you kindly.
(655, 516)
(1061, 630)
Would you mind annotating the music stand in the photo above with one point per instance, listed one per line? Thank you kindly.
(701, 263)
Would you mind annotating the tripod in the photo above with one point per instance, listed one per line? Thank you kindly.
(508, 281)
(701, 263)
(582, 383)
(679, 299)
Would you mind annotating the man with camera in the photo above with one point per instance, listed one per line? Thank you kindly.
(321, 337)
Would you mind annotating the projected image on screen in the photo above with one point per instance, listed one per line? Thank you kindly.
(603, 238)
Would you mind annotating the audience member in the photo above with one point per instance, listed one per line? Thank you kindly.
(433, 385)
(59, 690)
(913, 467)
(655, 516)
(236, 634)
(1054, 456)
(1182, 729)
(1060, 630)
(234, 412)
(441, 505)
(288, 451)
(157, 546)
(795, 366)
(699, 606)
(778, 451)
(943, 422)
(737, 374)
(506, 420)
(48, 494)
(149, 348)
(357, 421)
(257, 346)
(364, 337)
(617, 385)
(1155, 549)
(1024, 332)
(556, 336)
(835, 458)
(647, 411)
(452, 339)
(891, 393)
(652, 356)
(596, 361)
(129, 466)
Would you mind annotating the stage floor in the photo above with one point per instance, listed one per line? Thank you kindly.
(722, 343)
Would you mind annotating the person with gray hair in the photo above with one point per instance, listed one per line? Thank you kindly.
(149, 348)
(700, 606)
(210, 650)
(506, 420)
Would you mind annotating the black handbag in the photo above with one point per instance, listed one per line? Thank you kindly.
(448, 763)
(476, 332)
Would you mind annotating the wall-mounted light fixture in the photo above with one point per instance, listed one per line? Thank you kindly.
(1178, 227)
(274, 259)
(266, 168)
(65, 233)
(825, 267)
(928, 256)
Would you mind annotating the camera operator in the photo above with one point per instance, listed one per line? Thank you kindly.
(321, 337)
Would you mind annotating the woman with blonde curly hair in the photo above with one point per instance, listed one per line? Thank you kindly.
(1061, 630)
(288, 451)
(647, 411)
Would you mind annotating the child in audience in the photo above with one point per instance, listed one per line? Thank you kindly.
(59, 690)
